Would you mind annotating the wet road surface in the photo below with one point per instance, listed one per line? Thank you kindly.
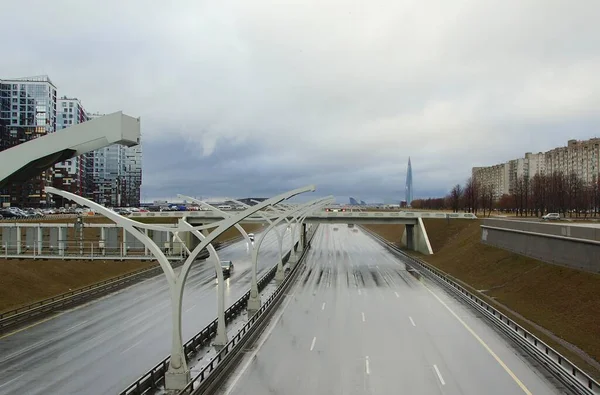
(357, 322)
(105, 345)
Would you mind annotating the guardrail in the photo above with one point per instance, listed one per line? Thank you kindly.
(564, 370)
(213, 371)
(19, 316)
(154, 378)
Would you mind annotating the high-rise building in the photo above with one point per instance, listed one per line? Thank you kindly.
(117, 174)
(581, 158)
(409, 184)
(27, 111)
(76, 174)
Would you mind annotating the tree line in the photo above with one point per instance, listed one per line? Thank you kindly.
(535, 196)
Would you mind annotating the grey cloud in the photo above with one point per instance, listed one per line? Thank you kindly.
(333, 93)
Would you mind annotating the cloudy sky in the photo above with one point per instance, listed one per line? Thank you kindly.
(256, 97)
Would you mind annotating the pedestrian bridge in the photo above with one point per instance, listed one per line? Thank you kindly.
(354, 217)
(414, 237)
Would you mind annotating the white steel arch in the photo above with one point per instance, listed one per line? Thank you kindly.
(254, 300)
(178, 374)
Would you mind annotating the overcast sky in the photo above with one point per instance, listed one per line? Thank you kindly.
(243, 98)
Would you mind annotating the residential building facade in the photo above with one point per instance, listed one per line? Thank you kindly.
(578, 157)
(117, 175)
(76, 174)
(27, 111)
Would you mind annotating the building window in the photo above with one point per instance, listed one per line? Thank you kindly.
(64, 104)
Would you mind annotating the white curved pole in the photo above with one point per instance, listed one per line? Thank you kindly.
(254, 300)
(178, 374)
(221, 338)
(223, 213)
(279, 274)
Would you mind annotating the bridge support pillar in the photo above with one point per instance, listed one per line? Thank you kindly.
(62, 238)
(415, 238)
(177, 380)
(279, 274)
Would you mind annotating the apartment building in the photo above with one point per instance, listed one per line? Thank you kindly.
(27, 111)
(579, 157)
(117, 174)
(76, 174)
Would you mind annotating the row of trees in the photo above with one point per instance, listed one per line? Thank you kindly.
(536, 196)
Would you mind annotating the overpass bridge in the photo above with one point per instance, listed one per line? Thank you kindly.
(414, 237)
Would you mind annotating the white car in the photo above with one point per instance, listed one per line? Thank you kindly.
(251, 236)
(551, 217)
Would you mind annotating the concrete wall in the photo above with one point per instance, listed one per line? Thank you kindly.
(573, 246)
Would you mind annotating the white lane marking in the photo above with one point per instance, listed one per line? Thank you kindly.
(10, 381)
(74, 326)
(359, 292)
(265, 336)
(437, 371)
(189, 308)
(367, 367)
(480, 340)
(130, 347)
(363, 316)
(397, 294)
(411, 321)
(323, 307)
(312, 345)
(41, 342)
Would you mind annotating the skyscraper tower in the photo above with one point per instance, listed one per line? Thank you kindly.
(409, 184)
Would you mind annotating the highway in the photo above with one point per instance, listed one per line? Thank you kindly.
(356, 322)
(105, 345)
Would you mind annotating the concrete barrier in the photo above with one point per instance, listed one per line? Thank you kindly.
(575, 246)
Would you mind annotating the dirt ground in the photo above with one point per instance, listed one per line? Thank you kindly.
(26, 281)
(562, 300)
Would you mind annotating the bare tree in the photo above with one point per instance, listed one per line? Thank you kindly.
(471, 193)
(456, 195)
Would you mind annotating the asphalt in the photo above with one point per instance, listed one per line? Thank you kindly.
(105, 345)
(357, 322)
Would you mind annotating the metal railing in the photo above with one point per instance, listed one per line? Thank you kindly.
(564, 370)
(154, 378)
(24, 314)
(86, 250)
(216, 367)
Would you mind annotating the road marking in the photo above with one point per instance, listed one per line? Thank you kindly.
(437, 371)
(34, 324)
(411, 321)
(10, 381)
(397, 294)
(323, 307)
(480, 340)
(367, 368)
(312, 345)
(189, 308)
(363, 316)
(265, 336)
(130, 347)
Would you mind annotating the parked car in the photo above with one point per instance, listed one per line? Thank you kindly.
(227, 267)
(251, 236)
(551, 217)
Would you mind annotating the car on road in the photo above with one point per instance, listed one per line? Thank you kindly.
(551, 217)
(226, 267)
(251, 236)
(335, 228)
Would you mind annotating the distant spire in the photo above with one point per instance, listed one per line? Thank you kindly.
(409, 184)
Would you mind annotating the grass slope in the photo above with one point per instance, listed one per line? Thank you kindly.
(562, 300)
